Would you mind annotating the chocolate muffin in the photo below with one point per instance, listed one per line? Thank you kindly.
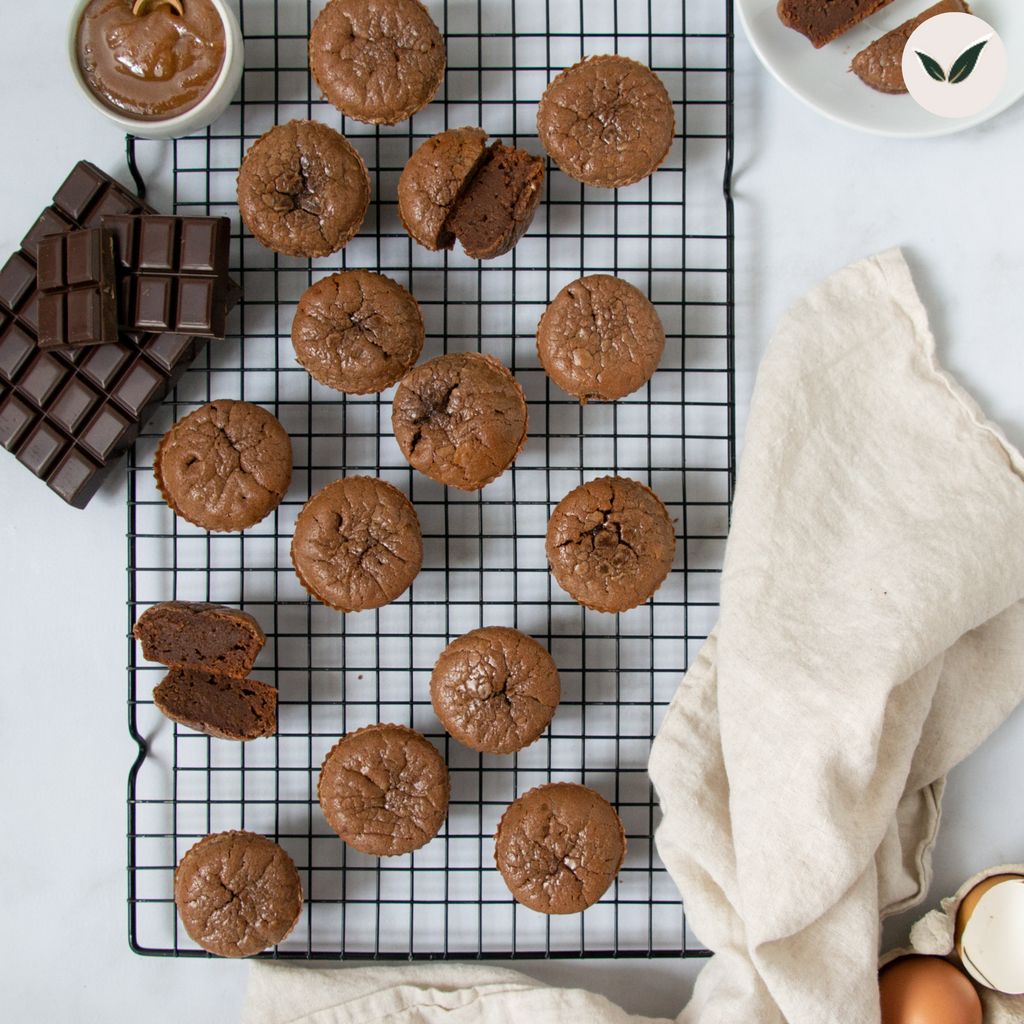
(357, 331)
(454, 186)
(216, 704)
(378, 61)
(303, 190)
(199, 634)
(822, 20)
(384, 789)
(225, 466)
(607, 121)
(559, 847)
(460, 419)
(495, 689)
(357, 544)
(600, 339)
(610, 543)
(237, 893)
(880, 65)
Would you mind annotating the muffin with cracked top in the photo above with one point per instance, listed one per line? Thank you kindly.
(495, 689)
(225, 466)
(460, 419)
(384, 789)
(559, 847)
(607, 121)
(610, 543)
(237, 893)
(303, 190)
(357, 544)
(378, 61)
(357, 331)
(600, 339)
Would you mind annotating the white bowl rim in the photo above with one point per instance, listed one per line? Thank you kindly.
(189, 120)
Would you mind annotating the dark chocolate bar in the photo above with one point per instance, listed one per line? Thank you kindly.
(77, 302)
(172, 273)
(69, 414)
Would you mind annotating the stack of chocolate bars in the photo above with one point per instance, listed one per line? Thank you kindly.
(102, 309)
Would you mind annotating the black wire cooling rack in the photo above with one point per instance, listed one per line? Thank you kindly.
(484, 563)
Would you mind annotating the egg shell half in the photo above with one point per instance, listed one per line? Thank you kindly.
(991, 944)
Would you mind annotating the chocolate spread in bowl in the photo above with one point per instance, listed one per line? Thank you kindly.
(150, 66)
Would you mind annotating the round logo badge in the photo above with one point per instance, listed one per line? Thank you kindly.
(954, 64)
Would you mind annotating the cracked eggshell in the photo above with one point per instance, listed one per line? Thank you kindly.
(989, 933)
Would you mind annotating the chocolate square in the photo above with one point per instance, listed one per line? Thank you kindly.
(16, 349)
(139, 388)
(17, 279)
(158, 238)
(168, 350)
(16, 416)
(104, 363)
(109, 434)
(49, 222)
(73, 405)
(77, 478)
(42, 448)
(80, 188)
(42, 380)
(153, 298)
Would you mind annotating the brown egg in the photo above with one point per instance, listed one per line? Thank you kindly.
(927, 990)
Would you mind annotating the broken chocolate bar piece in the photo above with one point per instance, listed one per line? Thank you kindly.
(822, 20)
(77, 302)
(69, 414)
(880, 65)
(173, 273)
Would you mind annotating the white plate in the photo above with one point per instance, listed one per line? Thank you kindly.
(822, 79)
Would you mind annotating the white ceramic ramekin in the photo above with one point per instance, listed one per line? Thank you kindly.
(209, 108)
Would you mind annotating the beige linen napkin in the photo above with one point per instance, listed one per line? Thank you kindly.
(871, 635)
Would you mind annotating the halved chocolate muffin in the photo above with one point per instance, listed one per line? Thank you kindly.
(455, 186)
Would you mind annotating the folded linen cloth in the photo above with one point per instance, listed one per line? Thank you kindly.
(871, 635)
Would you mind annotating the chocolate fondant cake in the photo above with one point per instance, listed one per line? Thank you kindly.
(822, 20)
(456, 186)
(880, 65)
(218, 705)
(559, 847)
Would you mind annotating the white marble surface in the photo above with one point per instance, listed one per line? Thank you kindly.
(811, 196)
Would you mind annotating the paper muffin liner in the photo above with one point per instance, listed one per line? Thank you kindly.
(932, 935)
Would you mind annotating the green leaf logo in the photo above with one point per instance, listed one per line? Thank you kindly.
(964, 64)
(960, 69)
(932, 66)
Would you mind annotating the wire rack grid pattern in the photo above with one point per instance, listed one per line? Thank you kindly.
(484, 561)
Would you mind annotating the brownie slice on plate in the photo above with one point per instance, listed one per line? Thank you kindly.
(822, 20)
